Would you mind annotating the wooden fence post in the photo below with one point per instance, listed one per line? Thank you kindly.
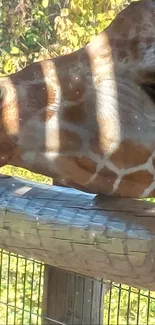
(72, 299)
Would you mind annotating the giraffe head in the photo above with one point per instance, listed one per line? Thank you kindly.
(88, 118)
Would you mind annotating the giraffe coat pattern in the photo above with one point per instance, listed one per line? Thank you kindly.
(87, 119)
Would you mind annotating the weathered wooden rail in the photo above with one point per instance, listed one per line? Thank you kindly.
(101, 237)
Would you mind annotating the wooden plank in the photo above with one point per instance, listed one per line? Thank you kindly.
(75, 231)
(72, 299)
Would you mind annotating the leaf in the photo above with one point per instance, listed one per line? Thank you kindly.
(8, 67)
(81, 31)
(64, 12)
(14, 50)
(45, 3)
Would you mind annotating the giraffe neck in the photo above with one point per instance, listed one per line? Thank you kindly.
(87, 118)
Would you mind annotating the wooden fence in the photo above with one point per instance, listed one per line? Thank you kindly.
(75, 234)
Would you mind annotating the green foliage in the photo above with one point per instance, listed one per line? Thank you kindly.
(21, 289)
(82, 20)
(26, 32)
(34, 30)
(128, 306)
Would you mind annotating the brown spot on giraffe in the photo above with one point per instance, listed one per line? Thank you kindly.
(103, 182)
(8, 151)
(86, 163)
(40, 96)
(86, 168)
(129, 155)
(64, 141)
(69, 167)
(134, 184)
(75, 114)
(73, 86)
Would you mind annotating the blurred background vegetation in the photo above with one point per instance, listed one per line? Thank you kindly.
(31, 31)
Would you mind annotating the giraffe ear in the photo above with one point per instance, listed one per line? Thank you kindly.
(146, 79)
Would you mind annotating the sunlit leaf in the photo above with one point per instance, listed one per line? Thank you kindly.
(14, 50)
(45, 3)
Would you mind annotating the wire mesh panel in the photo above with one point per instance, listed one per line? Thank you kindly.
(22, 300)
(124, 305)
(21, 290)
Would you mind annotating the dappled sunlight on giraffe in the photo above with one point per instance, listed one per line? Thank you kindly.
(87, 119)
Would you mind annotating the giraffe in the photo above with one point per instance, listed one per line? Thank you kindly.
(87, 118)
